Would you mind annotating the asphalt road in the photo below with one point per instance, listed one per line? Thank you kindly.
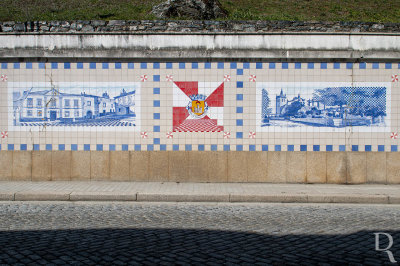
(93, 233)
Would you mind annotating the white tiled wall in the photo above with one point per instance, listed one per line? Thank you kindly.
(148, 106)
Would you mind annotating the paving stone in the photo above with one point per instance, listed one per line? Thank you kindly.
(137, 233)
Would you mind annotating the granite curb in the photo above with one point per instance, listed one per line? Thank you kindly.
(193, 197)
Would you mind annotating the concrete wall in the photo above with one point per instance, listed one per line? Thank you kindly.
(274, 167)
(157, 137)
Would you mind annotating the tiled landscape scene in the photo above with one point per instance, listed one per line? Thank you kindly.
(199, 106)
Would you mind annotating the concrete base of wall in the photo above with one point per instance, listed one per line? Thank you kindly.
(196, 166)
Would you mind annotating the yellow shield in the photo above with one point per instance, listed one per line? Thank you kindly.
(198, 107)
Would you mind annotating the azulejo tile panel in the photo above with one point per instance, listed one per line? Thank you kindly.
(49, 106)
(199, 106)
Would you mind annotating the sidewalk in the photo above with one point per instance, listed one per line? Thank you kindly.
(198, 192)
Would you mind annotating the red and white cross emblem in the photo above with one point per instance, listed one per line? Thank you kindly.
(4, 78)
(143, 78)
(211, 97)
(252, 78)
(169, 78)
(252, 134)
(169, 135)
(227, 135)
(143, 135)
(4, 134)
(227, 78)
(395, 78)
(394, 135)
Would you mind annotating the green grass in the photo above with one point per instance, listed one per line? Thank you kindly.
(295, 10)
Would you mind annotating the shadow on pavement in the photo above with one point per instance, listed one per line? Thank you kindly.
(187, 246)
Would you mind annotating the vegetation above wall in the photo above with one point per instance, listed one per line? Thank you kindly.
(292, 10)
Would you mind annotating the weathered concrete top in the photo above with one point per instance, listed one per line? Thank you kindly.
(157, 26)
(246, 46)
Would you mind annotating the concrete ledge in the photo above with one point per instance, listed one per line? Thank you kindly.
(41, 196)
(269, 198)
(182, 197)
(346, 198)
(102, 196)
(248, 46)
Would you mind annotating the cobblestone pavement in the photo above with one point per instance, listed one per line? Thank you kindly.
(94, 233)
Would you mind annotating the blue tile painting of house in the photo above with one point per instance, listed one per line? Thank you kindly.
(76, 107)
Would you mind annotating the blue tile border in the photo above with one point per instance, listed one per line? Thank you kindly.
(197, 65)
(204, 65)
(202, 147)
